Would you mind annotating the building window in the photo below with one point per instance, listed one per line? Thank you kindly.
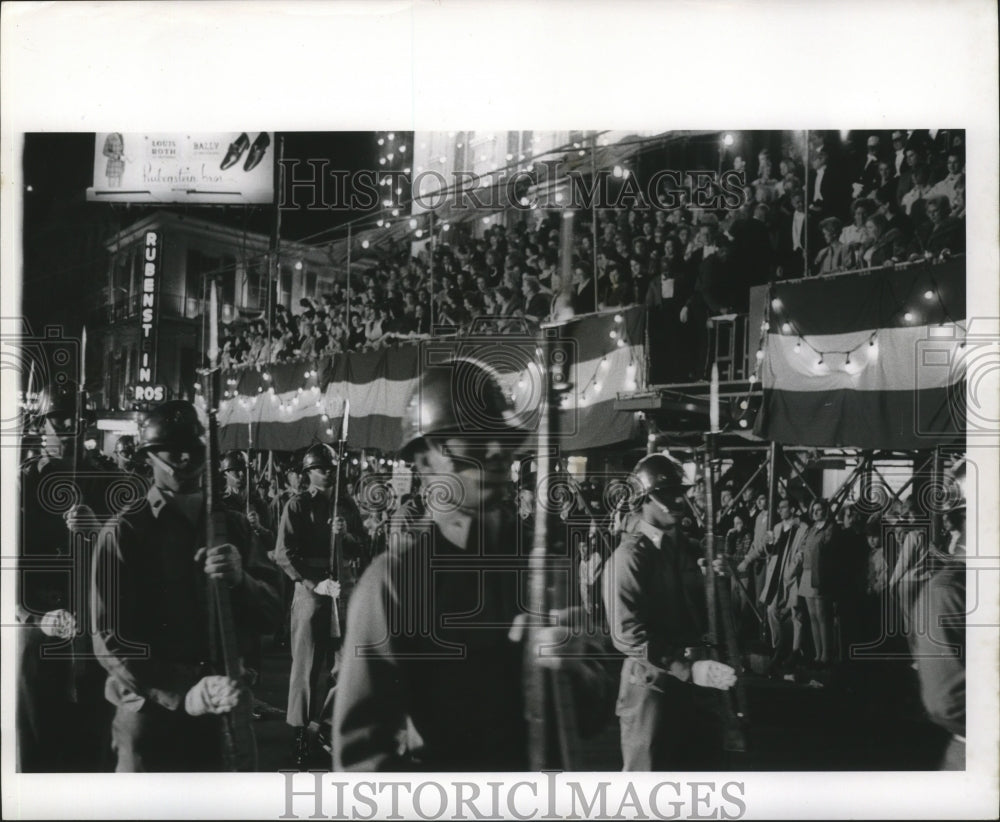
(256, 274)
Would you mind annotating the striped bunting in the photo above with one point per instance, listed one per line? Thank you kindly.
(288, 406)
(870, 360)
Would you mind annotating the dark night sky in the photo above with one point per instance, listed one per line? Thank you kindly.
(59, 166)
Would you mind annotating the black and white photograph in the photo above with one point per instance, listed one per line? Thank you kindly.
(412, 434)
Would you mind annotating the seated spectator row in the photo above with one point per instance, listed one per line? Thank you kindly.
(889, 207)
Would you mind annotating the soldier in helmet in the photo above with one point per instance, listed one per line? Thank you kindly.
(61, 716)
(303, 551)
(153, 628)
(234, 496)
(428, 643)
(655, 601)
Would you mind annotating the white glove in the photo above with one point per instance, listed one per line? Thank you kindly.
(707, 673)
(327, 588)
(212, 695)
(60, 623)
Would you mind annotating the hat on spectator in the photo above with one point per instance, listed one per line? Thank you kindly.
(873, 140)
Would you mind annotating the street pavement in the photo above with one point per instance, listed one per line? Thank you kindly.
(872, 721)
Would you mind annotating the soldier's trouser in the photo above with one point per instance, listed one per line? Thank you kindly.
(155, 740)
(313, 656)
(63, 719)
(667, 724)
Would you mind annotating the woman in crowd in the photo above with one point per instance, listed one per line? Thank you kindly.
(833, 256)
(815, 582)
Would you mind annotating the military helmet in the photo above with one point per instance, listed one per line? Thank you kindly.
(233, 461)
(319, 456)
(460, 396)
(172, 426)
(662, 478)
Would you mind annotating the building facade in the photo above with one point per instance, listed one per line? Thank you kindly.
(150, 320)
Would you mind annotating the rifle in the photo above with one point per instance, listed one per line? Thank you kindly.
(336, 629)
(547, 693)
(718, 600)
(238, 745)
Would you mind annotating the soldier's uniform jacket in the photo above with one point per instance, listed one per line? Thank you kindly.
(654, 594)
(303, 549)
(236, 502)
(49, 487)
(428, 641)
(150, 611)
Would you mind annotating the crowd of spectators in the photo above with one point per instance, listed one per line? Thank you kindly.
(897, 203)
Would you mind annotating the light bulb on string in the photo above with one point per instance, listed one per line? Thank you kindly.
(786, 328)
(928, 295)
(798, 347)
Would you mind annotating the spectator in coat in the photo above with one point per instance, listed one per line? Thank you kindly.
(942, 234)
(536, 304)
(834, 255)
(815, 583)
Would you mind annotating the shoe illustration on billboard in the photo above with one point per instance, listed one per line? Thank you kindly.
(235, 151)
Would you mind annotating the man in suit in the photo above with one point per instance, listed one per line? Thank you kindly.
(824, 194)
(792, 238)
(868, 177)
(783, 549)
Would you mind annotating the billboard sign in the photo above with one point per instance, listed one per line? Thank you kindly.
(228, 168)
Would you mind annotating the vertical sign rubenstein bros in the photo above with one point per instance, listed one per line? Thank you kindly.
(146, 389)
